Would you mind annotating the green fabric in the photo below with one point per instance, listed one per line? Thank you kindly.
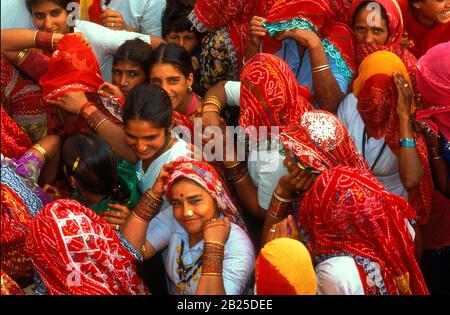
(127, 177)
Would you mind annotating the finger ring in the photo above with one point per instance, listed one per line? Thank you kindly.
(405, 85)
(118, 214)
(112, 25)
(272, 231)
(117, 227)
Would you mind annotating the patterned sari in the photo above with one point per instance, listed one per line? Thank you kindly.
(270, 95)
(73, 67)
(75, 252)
(348, 212)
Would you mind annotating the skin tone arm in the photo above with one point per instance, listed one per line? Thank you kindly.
(326, 89)
(256, 34)
(135, 229)
(216, 230)
(296, 181)
(439, 167)
(52, 146)
(111, 132)
(410, 166)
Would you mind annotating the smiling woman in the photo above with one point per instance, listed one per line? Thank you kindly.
(208, 251)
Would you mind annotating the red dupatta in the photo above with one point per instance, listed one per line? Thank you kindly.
(347, 211)
(377, 104)
(321, 141)
(270, 95)
(76, 252)
(15, 142)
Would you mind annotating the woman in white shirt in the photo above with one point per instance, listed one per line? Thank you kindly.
(208, 251)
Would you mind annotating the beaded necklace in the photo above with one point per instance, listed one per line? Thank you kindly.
(186, 273)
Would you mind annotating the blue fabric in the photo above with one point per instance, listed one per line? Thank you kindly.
(302, 70)
(10, 179)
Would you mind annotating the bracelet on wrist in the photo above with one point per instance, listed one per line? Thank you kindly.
(41, 150)
(44, 40)
(407, 142)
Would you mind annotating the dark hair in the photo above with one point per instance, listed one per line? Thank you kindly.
(31, 3)
(175, 19)
(150, 103)
(134, 50)
(97, 165)
(175, 55)
(364, 5)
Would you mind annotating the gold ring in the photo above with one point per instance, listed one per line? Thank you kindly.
(117, 227)
(405, 85)
(118, 214)
(112, 25)
(272, 231)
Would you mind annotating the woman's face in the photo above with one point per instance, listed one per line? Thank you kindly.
(186, 39)
(143, 138)
(437, 11)
(127, 75)
(174, 82)
(192, 206)
(373, 33)
(51, 17)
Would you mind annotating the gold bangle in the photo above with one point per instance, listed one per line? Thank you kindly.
(138, 217)
(325, 66)
(211, 274)
(241, 179)
(280, 198)
(20, 57)
(34, 38)
(41, 150)
(101, 122)
(213, 242)
(150, 192)
(234, 165)
(210, 111)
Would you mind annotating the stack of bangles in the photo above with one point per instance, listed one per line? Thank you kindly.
(278, 207)
(147, 207)
(94, 119)
(320, 68)
(41, 150)
(236, 173)
(44, 40)
(435, 153)
(211, 104)
(212, 259)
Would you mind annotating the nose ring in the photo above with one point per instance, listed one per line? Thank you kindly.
(145, 147)
(190, 213)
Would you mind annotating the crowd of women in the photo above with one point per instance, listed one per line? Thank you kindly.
(114, 128)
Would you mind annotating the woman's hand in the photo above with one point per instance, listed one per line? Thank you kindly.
(296, 181)
(256, 31)
(217, 230)
(158, 186)
(114, 20)
(53, 191)
(109, 89)
(306, 38)
(70, 102)
(116, 216)
(405, 96)
(285, 228)
(405, 42)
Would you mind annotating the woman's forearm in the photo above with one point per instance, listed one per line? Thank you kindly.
(411, 169)
(439, 167)
(327, 92)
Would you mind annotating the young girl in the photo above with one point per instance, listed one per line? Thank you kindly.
(100, 180)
